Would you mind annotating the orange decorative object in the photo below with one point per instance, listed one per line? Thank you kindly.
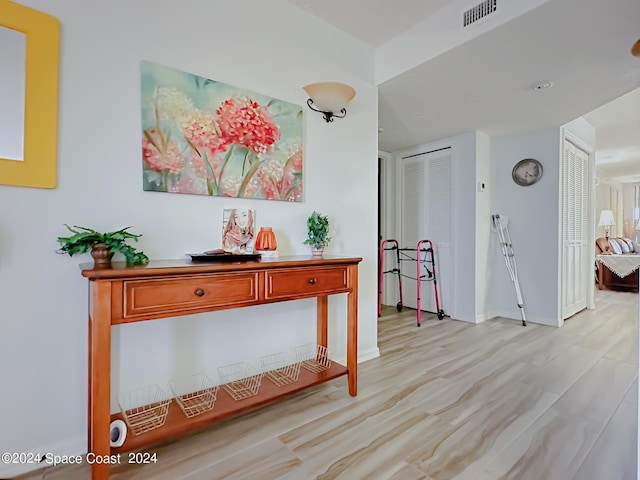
(266, 239)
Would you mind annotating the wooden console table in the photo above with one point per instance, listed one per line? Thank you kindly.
(124, 294)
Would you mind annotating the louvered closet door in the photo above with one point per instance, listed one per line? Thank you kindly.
(425, 205)
(577, 270)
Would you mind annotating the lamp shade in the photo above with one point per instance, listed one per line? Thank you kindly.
(606, 218)
(330, 96)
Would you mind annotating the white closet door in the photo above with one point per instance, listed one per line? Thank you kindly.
(576, 264)
(426, 209)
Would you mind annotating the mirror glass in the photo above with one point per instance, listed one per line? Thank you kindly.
(13, 52)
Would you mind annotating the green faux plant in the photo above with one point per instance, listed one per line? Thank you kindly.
(83, 240)
(317, 230)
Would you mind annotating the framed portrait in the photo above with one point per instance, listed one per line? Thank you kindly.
(238, 230)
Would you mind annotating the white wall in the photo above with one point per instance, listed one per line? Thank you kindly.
(483, 244)
(533, 213)
(609, 196)
(274, 50)
(628, 206)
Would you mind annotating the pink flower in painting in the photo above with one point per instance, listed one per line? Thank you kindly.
(282, 182)
(201, 130)
(296, 162)
(171, 159)
(290, 172)
(246, 122)
(191, 185)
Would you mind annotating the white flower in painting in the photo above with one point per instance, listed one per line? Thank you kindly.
(170, 102)
(230, 185)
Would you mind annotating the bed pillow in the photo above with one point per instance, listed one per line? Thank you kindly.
(630, 244)
(615, 246)
(623, 245)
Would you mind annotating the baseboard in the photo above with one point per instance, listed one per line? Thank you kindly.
(73, 446)
(515, 315)
(363, 356)
(472, 318)
(369, 354)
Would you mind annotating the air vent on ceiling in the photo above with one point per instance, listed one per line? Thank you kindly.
(479, 11)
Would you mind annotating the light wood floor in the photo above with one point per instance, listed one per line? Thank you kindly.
(448, 400)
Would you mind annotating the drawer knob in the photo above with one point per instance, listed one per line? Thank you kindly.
(200, 292)
(312, 281)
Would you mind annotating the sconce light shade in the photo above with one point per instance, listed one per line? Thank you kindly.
(329, 98)
(635, 49)
(606, 219)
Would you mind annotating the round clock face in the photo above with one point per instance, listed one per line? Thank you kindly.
(527, 172)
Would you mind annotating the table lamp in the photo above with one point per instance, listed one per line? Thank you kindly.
(606, 221)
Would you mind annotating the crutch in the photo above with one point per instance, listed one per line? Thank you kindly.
(509, 257)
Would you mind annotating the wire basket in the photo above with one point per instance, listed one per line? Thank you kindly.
(195, 394)
(145, 408)
(312, 357)
(240, 380)
(280, 368)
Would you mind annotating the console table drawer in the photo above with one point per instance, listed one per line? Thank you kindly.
(153, 296)
(290, 282)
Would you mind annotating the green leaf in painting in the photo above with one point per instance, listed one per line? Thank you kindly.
(247, 178)
(225, 160)
(195, 149)
(297, 179)
(210, 175)
(153, 177)
(152, 140)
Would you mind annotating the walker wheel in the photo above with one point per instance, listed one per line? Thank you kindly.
(399, 306)
(440, 314)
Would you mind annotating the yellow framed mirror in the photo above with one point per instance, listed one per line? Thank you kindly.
(37, 168)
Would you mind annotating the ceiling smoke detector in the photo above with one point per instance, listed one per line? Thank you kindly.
(542, 85)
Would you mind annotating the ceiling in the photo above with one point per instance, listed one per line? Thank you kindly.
(617, 126)
(582, 46)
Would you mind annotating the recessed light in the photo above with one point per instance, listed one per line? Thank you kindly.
(543, 85)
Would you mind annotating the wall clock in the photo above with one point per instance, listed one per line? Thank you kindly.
(527, 172)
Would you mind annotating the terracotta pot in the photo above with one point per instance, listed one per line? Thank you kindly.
(102, 255)
(266, 239)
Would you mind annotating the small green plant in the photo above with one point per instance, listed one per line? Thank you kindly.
(318, 230)
(83, 240)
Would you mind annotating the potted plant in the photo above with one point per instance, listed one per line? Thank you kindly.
(101, 245)
(318, 233)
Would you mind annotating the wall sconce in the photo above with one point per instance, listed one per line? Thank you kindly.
(329, 98)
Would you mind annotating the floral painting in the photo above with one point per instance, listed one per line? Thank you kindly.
(204, 137)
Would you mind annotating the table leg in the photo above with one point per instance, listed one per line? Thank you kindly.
(322, 335)
(600, 275)
(99, 376)
(352, 330)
